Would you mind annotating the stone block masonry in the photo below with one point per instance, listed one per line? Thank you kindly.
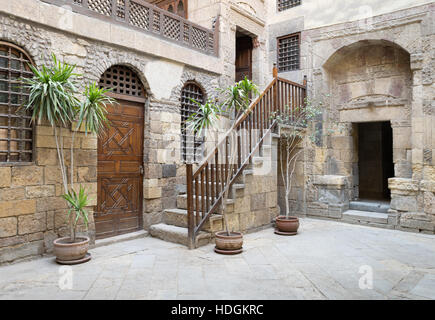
(32, 212)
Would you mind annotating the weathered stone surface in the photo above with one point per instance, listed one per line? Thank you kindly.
(40, 191)
(152, 193)
(12, 194)
(5, 177)
(404, 203)
(417, 224)
(17, 207)
(32, 223)
(9, 254)
(403, 184)
(27, 176)
(169, 170)
(87, 174)
(50, 203)
(330, 180)
(258, 201)
(46, 157)
(8, 227)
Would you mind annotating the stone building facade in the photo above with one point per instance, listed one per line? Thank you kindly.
(365, 70)
(32, 213)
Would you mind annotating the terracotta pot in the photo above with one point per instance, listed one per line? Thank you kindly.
(290, 224)
(234, 241)
(65, 250)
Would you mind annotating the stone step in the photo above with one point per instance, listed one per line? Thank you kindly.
(178, 217)
(371, 206)
(357, 216)
(176, 234)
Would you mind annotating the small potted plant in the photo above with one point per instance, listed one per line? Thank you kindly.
(237, 99)
(293, 124)
(53, 100)
(73, 248)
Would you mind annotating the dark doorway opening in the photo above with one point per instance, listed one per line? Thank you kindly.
(244, 48)
(375, 160)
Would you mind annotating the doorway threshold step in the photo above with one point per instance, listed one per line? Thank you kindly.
(365, 216)
(371, 206)
(178, 234)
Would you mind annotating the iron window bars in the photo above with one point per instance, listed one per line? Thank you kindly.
(16, 128)
(287, 4)
(289, 53)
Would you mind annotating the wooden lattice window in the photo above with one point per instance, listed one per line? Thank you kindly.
(287, 4)
(16, 128)
(289, 53)
(191, 145)
(122, 81)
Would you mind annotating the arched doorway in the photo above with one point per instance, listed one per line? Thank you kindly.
(120, 156)
(370, 85)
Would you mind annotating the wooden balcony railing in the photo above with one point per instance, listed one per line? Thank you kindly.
(207, 185)
(145, 17)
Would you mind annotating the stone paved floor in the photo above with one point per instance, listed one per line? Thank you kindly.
(322, 262)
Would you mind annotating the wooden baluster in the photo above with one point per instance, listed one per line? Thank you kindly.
(207, 187)
(198, 214)
(239, 148)
(294, 108)
(227, 167)
(190, 213)
(217, 173)
(212, 182)
(203, 194)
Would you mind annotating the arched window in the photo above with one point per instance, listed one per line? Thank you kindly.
(16, 129)
(123, 81)
(171, 8)
(190, 144)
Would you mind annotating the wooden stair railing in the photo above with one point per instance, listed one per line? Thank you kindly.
(207, 185)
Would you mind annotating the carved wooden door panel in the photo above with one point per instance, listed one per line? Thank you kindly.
(243, 58)
(120, 172)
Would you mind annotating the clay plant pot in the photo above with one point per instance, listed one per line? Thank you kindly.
(229, 244)
(287, 226)
(68, 252)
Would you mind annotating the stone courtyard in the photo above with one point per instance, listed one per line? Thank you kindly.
(323, 262)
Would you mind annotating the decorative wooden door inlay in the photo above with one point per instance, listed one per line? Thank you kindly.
(120, 171)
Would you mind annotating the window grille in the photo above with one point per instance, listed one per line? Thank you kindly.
(16, 128)
(191, 148)
(122, 80)
(287, 4)
(289, 53)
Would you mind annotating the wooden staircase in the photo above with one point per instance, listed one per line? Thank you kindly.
(196, 219)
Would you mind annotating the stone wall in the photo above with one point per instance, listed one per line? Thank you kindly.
(32, 213)
(366, 73)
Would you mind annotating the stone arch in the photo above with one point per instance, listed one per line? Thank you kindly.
(137, 65)
(31, 52)
(342, 51)
(369, 70)
(369, 81)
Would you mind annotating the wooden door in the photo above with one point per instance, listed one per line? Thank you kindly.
(243, 58)
(120, 171)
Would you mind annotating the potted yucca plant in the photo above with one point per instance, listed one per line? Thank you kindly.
(53, 99)
(237, 99)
